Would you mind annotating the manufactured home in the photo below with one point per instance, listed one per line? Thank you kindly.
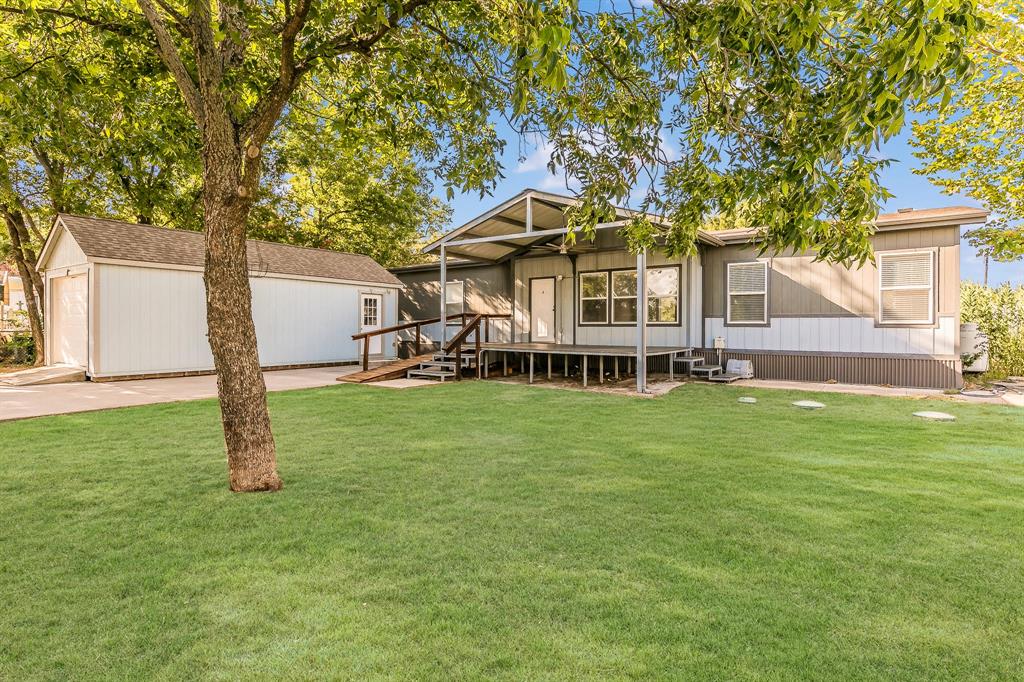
(125, 300)
(563, 303)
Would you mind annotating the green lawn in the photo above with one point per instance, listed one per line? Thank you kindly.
(483, 530)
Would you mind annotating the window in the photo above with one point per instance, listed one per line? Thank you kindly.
(663, 295)
(455, 298)
(747, 293)
(599, 302)
(594, 298)
(905, 287)
(623, 296)
(371, 312)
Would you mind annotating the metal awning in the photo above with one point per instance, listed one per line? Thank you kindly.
(528, 220)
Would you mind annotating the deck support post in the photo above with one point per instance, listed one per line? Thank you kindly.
(366, 353)
(549, 366)
(418, 338)
(672, 367)
(600, 369)
(616, 367)
(504, 364)
(565, 363)
(584, 371)
(531, 368)
(641, 322)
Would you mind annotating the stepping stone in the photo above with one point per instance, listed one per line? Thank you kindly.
(979, 393)
(935, 416)
(748, 400)
(809, 405)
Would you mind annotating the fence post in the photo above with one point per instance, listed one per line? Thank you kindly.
(417, 340)
(366, 353)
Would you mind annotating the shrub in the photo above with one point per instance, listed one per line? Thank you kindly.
(999, 313)
(19, 349)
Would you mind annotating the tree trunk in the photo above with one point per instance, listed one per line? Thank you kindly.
(252, 456)
(31, 281)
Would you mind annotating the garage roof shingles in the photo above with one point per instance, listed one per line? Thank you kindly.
(118, 240)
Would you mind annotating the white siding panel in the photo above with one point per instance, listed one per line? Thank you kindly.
(65, 252)
(152, 320)
(836, 335)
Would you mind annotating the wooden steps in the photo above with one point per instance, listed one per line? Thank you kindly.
(389, 370)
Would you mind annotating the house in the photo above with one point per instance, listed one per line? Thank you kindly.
(895, 321)
(126, 300)
(12, 292)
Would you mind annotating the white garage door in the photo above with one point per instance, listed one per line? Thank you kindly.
(69, 298)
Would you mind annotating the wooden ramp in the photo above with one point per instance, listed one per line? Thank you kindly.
(389, 370)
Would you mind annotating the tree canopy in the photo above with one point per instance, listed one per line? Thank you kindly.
(972, 142)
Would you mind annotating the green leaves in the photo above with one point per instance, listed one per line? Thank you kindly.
(971, 139)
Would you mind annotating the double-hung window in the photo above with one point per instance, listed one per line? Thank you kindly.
(747, 300)
(594, 298)
(455, 298)
(906, 283)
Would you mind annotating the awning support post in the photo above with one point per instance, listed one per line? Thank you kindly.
(641, 322)
(444, 300)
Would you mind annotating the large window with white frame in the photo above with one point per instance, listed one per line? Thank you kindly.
(663, 295)
(610, 296)
(455, 297)
(594, 298)
(906, 288)
(747, 293)
(623, 296)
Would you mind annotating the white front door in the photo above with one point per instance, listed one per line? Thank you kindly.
(69, 306)
(371, 311)
(542, 310)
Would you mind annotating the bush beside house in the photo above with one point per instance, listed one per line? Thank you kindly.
(999, 314)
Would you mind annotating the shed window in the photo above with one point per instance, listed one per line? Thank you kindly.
(748, 293)
(906, 287)
(594, 297)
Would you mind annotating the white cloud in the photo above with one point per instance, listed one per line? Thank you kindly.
(538, 159)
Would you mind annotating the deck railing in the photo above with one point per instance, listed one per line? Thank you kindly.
(418, 326)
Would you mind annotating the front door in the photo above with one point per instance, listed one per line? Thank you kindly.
(542, 310)
(371, 314)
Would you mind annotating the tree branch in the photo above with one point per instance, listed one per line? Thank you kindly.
(171, 58)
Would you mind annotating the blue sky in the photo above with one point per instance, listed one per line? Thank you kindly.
(911, 191)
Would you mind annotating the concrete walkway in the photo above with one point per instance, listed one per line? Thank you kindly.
(20, 402)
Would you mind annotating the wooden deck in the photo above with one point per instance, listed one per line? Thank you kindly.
(395, 369)
(572, 349)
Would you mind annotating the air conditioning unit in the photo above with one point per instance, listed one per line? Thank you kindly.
(743, 368)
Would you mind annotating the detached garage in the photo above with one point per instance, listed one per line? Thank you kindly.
(126, 300)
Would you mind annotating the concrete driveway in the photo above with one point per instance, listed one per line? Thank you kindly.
(82, 396)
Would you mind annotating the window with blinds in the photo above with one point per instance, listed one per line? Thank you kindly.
(747, 293)
(906, 283)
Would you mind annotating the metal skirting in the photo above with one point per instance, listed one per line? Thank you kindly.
(911, 372)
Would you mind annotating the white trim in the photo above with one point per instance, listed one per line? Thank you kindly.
(729, 294)
(882, 255)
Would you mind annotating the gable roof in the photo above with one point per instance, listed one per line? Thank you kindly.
(123, 241)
